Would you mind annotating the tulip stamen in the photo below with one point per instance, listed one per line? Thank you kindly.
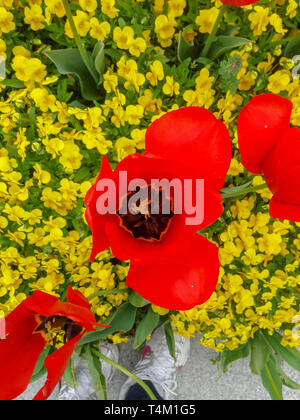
(57, 328)
(142, 222)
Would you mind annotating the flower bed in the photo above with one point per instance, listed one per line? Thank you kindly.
(128, 63)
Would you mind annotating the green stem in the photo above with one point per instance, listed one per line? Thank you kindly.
(211, 36)
(272, 383)
(108, 292)
(236, 193)
(126, 372)
(78, 41)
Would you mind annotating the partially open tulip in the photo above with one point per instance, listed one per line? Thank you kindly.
(269, 146)
(33, 325)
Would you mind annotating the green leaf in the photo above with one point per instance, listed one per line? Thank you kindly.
(285, 379)
(122, 321)
(291, 356)
(137, 300)
(293, 47)
(225, 43)
(69, 375)
(235, 191)
(97, 376)
(272, 381)
(13, 83)
(227, 357)
(99, 59)
(82, 174)
(185, 49)
(145, 327)
(260, 354)
(69, 61)
(170, 339)
(40, 369)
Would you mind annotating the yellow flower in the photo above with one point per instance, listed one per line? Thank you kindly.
(204, 81)
(88, 5)
(56, 7)
(43, 177)
(236, 168)
(70, 157)
(22, 143)
(19, 50)
(159, 310)
(110, 81)
(259, 19)
(137, 46)
(99, 30)
(156, 73)
(34, 17)
(176, 7)
(42, 99)
(164, 27)
(276, 22)
(123, 37)
(270, 244)
(207, 19)
(291, 10)
(279, 81)
(124, 148)
(108, 8)
(2, 49)
(82, 23)
(133, 114)
(7, 23)
(170, 87)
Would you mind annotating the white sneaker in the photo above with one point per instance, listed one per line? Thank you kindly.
(85, 389)
(158, 366)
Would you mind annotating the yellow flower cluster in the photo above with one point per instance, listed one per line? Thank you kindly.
(259, 278)
(52, 141)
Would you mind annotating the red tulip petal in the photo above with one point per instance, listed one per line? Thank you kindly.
(19, 353)
(193, 136)
(282, 174)
(105, 172)
(285, 211)
(96, 221)
(178, 284)
(77, 298)
(56, 365)
(260, 125)
(239, 3)
(46, 305)
(19, 314)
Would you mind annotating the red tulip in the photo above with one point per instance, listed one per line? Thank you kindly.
(31, 327)
(269, 146)
(171, 265)
(239, 3)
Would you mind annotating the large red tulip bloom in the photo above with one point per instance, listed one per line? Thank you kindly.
(239, 3)
(270, 147)
(32, 326)
(171, 265)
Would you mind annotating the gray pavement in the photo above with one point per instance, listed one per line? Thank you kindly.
(198, 379)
